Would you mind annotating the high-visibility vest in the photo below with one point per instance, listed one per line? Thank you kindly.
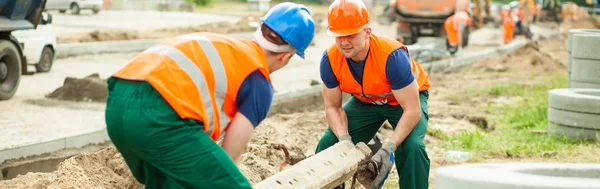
(199, 75)
(375, 87)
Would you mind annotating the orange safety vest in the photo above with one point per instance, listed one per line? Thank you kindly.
(199, 75)
(375, 87)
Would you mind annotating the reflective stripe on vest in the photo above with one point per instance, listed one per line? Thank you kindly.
(220, 119)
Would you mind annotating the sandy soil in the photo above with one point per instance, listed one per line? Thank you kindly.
(299, 132)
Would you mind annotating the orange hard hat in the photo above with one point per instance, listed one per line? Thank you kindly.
(347, 17)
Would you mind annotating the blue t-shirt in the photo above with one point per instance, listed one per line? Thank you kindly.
(398, 70)
(254, 97)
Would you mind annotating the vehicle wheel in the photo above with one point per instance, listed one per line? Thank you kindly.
(75, 9)
(62, 11)
(46, 60)
(96, 11)
(10, 69)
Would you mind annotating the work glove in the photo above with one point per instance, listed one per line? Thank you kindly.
(345, 137)
(384, 158)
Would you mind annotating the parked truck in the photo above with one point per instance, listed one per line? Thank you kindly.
(418, 18)
(15, 15)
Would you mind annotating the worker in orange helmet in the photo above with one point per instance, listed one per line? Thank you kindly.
(508, 24)
(169, 105)
(385, 84)
(456, 26)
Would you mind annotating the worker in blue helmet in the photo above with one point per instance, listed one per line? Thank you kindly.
(168, 107)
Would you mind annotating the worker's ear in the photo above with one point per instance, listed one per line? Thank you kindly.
(367, 32)
(284, 58)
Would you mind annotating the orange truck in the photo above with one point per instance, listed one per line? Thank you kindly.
(417, 18)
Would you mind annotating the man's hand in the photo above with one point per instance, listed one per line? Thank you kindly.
(384, 158)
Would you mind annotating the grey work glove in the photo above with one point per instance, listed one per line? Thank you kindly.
(384, 158)
(345, 137)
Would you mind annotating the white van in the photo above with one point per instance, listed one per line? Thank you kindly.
(39, 44)
(74, 5)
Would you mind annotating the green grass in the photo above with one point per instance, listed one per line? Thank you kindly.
(516, 124)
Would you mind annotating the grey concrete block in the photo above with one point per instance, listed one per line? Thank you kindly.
(575, 99)
(572, 32)
(32, 149)
(574, 119)
(586, 70)
(518, 176)
(574, 133)
(586, 46)
(578, 84)
(81, 140)
(328, 168)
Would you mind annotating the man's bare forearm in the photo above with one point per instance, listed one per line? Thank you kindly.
(407, 123)
(337, 120)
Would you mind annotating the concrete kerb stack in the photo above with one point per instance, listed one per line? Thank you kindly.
(519, 176)
(582, 45)
(575, 111)
(585, 62)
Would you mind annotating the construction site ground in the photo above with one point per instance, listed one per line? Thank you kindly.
(470, 109)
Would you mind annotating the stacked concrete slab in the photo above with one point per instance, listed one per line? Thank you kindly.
(583, 46)
(575, 111)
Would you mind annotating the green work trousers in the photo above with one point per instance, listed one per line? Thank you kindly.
(364, 120)
(161, 149)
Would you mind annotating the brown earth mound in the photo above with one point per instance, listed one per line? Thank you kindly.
(90, 89)
(102, 169)
(582, 23)
(528, 58)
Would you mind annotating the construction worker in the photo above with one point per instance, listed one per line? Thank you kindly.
(455, 27)
(385, 84)
(169, 105)
(529, 11)
(508, 24)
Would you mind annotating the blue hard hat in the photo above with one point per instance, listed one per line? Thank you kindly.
(293, 23)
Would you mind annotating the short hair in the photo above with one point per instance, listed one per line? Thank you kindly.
(271, 36)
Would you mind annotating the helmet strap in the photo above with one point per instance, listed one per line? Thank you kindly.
(266, 44)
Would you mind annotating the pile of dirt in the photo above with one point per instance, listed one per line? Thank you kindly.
(581, 23)
(102, 169)
(528, 58)
(89, 89)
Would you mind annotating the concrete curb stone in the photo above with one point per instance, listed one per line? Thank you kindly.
(586, 70)
(578, 84)
(574, 133)
(586, 46)
(575, 99)
(574, 119)
(572, 32)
